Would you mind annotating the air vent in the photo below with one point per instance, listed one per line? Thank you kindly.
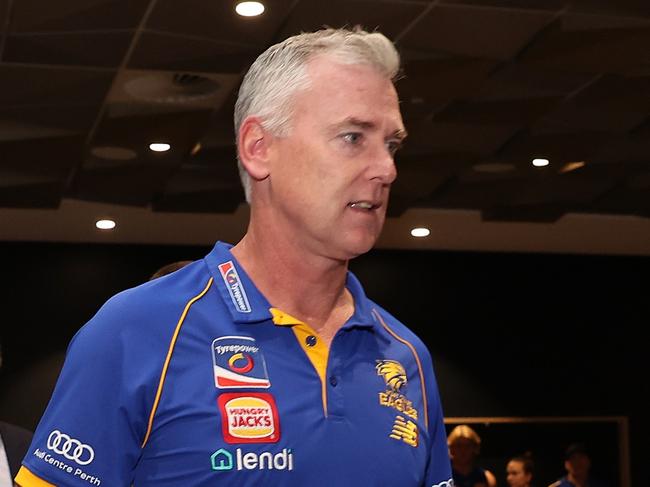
(171, 88)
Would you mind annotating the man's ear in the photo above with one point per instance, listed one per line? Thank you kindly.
(253, 145)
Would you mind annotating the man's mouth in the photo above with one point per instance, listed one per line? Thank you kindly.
(363, 205)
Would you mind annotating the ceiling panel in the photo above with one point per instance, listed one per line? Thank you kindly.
(486, 86)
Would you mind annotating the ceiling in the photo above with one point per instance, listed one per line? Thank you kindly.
(488, 85)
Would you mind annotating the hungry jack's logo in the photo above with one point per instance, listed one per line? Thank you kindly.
(238, 363)
(249, 418)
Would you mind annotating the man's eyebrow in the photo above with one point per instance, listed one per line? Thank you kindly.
(367, 125)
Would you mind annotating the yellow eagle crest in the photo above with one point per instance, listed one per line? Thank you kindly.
(393, 373)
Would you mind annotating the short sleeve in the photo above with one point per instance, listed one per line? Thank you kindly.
(94, 424)
(438, 472)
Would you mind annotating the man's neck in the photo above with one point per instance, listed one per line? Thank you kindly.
(309, 287)
(581, 481)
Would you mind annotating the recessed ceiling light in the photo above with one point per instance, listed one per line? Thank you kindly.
(540, 162)
(571, 166)
(420, 232)
(159, 147)
(105, 224)
(249, 9)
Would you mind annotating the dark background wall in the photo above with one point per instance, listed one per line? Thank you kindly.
(511, 334)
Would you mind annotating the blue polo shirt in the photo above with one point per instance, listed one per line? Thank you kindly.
(196, 379)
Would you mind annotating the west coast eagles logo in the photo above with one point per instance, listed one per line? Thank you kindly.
(394, 375)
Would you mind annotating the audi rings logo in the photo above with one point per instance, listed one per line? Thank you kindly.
(70, 448)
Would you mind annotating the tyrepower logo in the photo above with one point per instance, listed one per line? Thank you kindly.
(249, 418)
(234, 286)
(70, 448)
(238, 363)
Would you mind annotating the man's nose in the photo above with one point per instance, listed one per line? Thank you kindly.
(383, 167)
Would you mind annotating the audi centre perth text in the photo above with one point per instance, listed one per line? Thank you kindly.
(76, 471)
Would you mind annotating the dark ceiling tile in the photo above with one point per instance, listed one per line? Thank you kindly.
(624, 148)
(42, 195)
(388, 18)
(515, 81)
(132, 185)
(639, 8)
(428, 84)
(34, 156)
(464, 138)
(30, 177)
(218, 20)
(591, 51)
(159, 51)
(572, 22)
(477, 32)
(571, 117)
(515, 4)
(4, 16)
(618, 92)
(216, 201)
(27, 85)
(76, 15)
(558, 148)
(419, 177)
(37, 121)
(538, 213)
(108, 48)
(500, 112)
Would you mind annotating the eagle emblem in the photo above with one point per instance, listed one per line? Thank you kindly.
(393, 373)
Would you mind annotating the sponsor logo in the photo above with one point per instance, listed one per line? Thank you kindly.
(223, 460)
(394, 375)
(238, 362)
(249, 418)
(70, 448)
(69, 469)
(405, 430)
(445, 483)
(234, 286)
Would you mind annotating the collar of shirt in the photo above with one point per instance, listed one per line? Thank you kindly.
(248, 305)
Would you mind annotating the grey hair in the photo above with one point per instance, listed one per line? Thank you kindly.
(280, 71)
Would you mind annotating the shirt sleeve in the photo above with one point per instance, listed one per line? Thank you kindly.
(94, 424)
(438, 472)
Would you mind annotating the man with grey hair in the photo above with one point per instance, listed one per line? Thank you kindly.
(265, 363)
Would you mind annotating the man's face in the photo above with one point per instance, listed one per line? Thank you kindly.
(578, 465)
(330, 177)
(463, 451)
(516, 476)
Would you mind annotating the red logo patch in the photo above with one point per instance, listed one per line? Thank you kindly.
(249, 418)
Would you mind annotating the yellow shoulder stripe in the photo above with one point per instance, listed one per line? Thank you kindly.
(26, 478)
(170, 351)
(417, 361)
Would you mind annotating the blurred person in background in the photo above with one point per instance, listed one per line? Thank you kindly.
(464, 449)
(14, 442)
(577, 463)
(519, 471)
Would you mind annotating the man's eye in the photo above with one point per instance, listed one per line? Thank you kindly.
(393, 146)
(352, 137)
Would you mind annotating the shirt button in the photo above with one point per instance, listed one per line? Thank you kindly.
(311, 341)
(333, 381)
